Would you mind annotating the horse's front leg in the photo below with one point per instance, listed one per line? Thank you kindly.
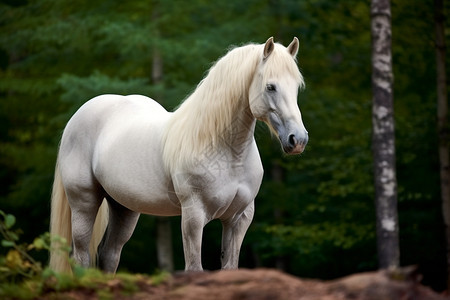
(233, 234)
(192, 222)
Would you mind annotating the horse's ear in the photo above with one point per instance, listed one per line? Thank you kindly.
(293, 47)
(268, 47)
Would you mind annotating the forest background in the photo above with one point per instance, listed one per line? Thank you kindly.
(315, 214)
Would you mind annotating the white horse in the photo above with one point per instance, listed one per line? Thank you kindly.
(200, 162)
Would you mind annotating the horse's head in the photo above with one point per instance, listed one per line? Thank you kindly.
(273, 95)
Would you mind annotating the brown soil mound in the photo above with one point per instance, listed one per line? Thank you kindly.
(272, 284)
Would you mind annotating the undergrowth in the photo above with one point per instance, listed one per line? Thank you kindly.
(23, 277)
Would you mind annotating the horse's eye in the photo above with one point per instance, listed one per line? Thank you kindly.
(271, 88)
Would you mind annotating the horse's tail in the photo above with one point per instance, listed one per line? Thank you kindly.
(101, 222)
(61, 227)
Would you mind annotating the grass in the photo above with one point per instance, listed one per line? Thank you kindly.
(22, 277)
(91, 281)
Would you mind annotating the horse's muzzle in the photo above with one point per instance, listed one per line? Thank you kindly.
(295, 144)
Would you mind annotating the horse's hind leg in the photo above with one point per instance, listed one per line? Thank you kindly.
(84, 206)
(121, 225)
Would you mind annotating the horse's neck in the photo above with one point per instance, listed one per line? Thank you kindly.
(216, 116)
(239, 135)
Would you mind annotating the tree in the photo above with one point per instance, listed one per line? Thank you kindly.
(383, 136)
(442, 119)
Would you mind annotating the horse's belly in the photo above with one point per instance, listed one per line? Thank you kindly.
(139, 183)
(152, 199)
(150, 204)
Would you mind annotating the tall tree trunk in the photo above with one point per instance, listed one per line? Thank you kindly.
(163, 225)
(164, 244)
(442, 113)
(383, 136)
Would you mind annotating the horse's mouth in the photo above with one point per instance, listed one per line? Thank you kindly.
(298, 149)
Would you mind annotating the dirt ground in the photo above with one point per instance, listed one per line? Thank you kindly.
(268, 284)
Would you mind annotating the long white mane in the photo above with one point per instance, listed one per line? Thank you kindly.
(199, 122)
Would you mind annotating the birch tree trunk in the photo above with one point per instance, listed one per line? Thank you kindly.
(442, 114)
(383, 136)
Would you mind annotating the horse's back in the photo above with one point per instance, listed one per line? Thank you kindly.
(118, 105)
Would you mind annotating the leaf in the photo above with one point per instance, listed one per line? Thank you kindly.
(7, 244)
(10, 220)
(39, 243)
(12, 236)
(13, 259)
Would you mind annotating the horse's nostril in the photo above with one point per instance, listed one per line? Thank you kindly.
(292, 140)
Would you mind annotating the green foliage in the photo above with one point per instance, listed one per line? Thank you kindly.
(308, 239)
(77, 89)
(22, 277)
(18, 264)
(91, 281)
